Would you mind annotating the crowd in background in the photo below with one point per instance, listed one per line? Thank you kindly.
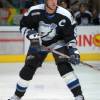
(11, 11)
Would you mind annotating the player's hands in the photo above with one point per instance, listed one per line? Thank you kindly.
(34, 38)
(32, 34)
(74, 56)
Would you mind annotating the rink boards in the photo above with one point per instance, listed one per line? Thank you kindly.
(21, 58)
(13, 47)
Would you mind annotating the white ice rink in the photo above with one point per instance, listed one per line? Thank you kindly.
(47, 84)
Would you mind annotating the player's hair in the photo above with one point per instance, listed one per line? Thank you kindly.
(57, 1)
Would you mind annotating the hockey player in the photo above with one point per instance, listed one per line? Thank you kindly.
(53, 27)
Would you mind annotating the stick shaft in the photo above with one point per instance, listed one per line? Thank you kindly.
(66, 56)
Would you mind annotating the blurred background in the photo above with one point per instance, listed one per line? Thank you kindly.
(12, 10)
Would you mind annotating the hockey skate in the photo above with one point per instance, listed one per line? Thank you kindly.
(14, 98)
(80, 97)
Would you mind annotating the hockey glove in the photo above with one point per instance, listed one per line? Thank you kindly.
(35, 39)
(31, 34)
(74, 56)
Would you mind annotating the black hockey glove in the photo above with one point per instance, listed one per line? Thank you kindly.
(35, 39)
(31, 34)
(74, 56)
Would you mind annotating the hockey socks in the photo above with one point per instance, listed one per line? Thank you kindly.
(21, 87)
(73, 83)
(20, 91)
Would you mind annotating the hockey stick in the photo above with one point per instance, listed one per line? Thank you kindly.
(66, 56)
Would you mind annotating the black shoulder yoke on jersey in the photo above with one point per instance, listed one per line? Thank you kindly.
(57, 26)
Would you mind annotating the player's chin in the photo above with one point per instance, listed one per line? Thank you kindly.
(53, 7)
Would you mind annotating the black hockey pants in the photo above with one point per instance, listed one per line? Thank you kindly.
(35, 59)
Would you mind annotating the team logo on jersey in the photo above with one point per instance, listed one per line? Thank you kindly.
(47, 31)
(62, 22)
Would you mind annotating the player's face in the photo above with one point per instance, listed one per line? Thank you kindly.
(51, 5)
